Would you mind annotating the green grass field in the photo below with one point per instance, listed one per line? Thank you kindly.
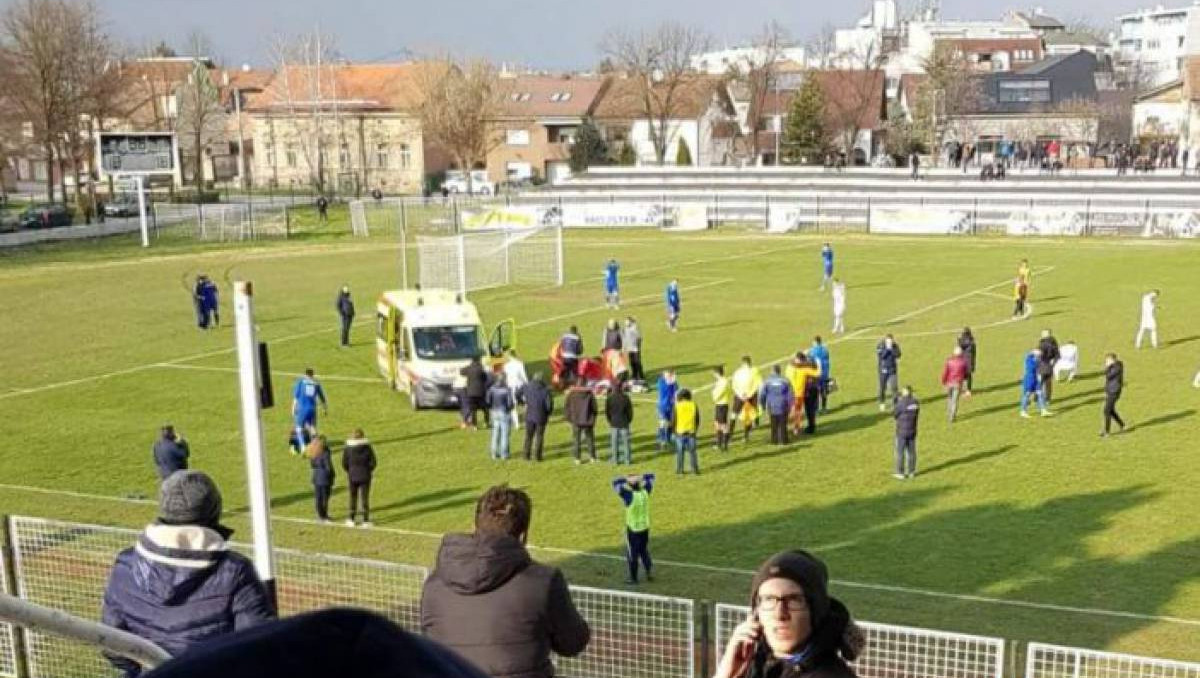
(1026, 529)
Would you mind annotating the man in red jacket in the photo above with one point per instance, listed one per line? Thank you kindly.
(954, 376)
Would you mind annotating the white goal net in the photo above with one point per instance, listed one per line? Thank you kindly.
(484, 259)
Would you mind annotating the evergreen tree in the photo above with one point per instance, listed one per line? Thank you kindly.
(589, 148)
(626, 156)
(805, 139)
(683, 154)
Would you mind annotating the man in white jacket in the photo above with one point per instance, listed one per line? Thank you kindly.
(515, 377)
(1149, 319)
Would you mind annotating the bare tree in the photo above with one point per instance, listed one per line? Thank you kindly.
(38, 39)
(822, 46)
(458, 103)
(950, 90)
(761, 74)
(201, 117)
(306, 89)
(854, 94)
(658, 61)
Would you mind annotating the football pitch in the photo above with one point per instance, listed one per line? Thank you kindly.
(1031, 530)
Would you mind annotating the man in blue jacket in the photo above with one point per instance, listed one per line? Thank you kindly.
(820, 354)
(673, 305)
(181, 585)
(826, 265)
(887, 353)
(170, 453)
(777, 399)
(1030, 384)
(667, 387)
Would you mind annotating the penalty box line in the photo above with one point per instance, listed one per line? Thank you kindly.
(868, 586)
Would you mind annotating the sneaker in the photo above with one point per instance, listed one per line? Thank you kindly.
(898, 476)
(349, 522)
(367, 524)
(578, 462)
(1047, 413)
(882, 407)
(1104, 434)
(912, 475)
(631, 582)
(1024, 414)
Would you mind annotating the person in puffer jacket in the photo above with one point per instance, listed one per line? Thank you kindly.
(795, 629)
(181, 585)
(487, 600)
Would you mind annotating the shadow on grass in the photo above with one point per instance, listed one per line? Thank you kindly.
(1163, 420)
(982, 455)
(1182, 341)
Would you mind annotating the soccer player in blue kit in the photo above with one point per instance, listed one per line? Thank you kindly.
(673, 304)
(827, 264)
(305, 395)
(612, 294)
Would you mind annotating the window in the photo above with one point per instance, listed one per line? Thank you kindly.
(290, 155)
(559, 97)
(516, 171)
(27, 129)
(521, 96)
(381, 156)
(405, 156)
(1024, 91)
(323, 156)
(1152, 44)
(517, 137)
(344, 156)
(270, 150)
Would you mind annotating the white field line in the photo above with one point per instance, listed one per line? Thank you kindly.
(630, 302)
(174, 361)
(234, 370)
(974, 328)
(900, 318)
(987, 600)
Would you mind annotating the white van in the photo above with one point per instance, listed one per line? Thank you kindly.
(424, 337)
(456, 182)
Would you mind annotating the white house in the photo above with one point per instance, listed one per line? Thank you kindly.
(1161, 113)
(701, 116)
(741, 59)
(1151, 43)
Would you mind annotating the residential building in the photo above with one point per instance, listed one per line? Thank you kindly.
(990, 55)
(1161, 113)
(854, 117)
(352, 128)
(742, 59)
(1037, 21)
(1062, 43)
(876, 34)
(1190, 134)
(538, 124)
(1151, 45)
(1055, 99)
(701, 116)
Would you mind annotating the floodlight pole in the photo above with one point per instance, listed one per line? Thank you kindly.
(142, 209)
(252, 432)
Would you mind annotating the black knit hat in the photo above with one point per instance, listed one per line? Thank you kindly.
(802, 568)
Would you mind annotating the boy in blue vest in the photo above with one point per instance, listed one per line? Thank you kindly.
(634, 491)
(673, 305)
(826, 265)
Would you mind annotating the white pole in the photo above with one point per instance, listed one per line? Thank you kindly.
(256, 460)
(403, 247)
(462, 264)
(558, 238)
(142, 211)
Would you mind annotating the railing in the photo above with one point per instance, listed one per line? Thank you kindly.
(65, 566)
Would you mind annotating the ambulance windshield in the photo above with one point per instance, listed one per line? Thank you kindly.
(457, 342)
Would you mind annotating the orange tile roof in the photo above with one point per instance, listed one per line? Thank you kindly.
(391, 87)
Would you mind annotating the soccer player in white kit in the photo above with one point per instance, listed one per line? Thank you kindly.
(839, 306)
(1149, 319)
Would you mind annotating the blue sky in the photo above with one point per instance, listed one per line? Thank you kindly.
(553, 34)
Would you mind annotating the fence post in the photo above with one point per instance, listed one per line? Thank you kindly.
(10, 575)
(705, 641)
(287, 222)
(1087, 218)
(766, 211)
(817, 221)
(868, 214)
(716, 219)
(975, 218)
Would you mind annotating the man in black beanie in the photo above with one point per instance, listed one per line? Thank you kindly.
(181, 585)
(795, 628)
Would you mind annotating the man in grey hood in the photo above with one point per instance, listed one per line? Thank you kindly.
(489, 601)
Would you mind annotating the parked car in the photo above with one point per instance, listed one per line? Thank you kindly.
(123, 205)
(45, 215)
(9, 221)
(456, 182)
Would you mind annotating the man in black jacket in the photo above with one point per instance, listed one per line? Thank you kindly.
(906, 413)
(618, 410)
(489, 601)
(476, 390)
(570, 350)
(1050, 355)
(887, 354)
(170, 453)
(358, 460)
(345, 310)
(539, 405)
(1114, 383)
(580, 410)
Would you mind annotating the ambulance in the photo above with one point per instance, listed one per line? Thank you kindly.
(424, 337)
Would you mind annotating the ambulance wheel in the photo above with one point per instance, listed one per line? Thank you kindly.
(412, 400)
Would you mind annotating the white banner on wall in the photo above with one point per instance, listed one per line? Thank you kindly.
(919, 221)
(593, 215)
(1172, 225)
(1045, 222)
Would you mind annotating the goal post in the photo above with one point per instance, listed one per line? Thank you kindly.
(480, 260)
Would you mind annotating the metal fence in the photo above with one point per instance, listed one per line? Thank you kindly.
(223, 222)
(894, 651)
(8, 640)
(65, 566)
(1053, 661)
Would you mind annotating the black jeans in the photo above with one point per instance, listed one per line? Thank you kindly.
(635, 366)
(812, 398)
(321, 496)
(779, 429)
(475, 404)
(888, 381)
(346, 322)
(362, 489)
(535, 434)
(1110, 411)
(580, 434)
(637, 548)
